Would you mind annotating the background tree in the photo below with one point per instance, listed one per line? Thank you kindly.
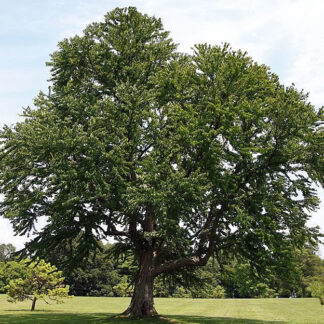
(310, 268)
(40, 281)
(177, 157)
(6, 251)
(241, 281)
(11, 270)
(96, 277)
(102, 275)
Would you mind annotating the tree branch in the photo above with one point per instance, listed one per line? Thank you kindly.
(198, 259)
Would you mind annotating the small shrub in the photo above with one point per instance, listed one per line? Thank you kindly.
(218, 292)
(123, 289)
(181, 292)
(262, 290)
(317, 290)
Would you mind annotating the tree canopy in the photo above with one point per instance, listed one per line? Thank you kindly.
(178, 157)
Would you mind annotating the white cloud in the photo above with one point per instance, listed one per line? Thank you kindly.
(7, 235)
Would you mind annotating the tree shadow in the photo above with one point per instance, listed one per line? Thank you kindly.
(217, 320)
(58, 318)
(55, 317)
(34, 311)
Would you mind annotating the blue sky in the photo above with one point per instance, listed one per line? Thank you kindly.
(287, 35)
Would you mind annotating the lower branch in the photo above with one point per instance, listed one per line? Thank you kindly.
(180, 263)
(201, 258)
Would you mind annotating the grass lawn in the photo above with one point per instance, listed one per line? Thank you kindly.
(177, 310)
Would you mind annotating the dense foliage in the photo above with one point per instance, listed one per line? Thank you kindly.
(178, 157)
(100, 275)
(11, 270)
(103, 276)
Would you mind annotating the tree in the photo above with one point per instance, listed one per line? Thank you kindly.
(9, 271)
(6, 250)
(178, 157)
(311, 268)
(41, 281)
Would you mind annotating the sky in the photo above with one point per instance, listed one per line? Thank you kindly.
(286, 35)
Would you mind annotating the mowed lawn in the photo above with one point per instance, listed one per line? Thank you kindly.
(176, 310)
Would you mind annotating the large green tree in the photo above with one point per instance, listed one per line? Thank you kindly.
(177, 157)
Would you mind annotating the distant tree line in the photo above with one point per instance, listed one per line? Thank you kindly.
(103, 275)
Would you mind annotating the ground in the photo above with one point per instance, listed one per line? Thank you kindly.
(79, 310)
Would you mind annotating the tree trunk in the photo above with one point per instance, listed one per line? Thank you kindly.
(142, 303)
(33, 304)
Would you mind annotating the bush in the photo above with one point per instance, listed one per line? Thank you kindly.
(181, 292)
(218, 292)
(261, 290)
(123, 289)
(317, 290)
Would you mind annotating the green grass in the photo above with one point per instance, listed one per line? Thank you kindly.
(79, 310)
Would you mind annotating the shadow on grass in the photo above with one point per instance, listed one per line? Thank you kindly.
(218, 320)
(26, 311)
(44, 317)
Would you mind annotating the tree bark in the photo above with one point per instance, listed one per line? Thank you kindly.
(33, 304)
(142, 303)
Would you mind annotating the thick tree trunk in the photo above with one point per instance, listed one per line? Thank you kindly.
(33, 304)
(142, 303)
